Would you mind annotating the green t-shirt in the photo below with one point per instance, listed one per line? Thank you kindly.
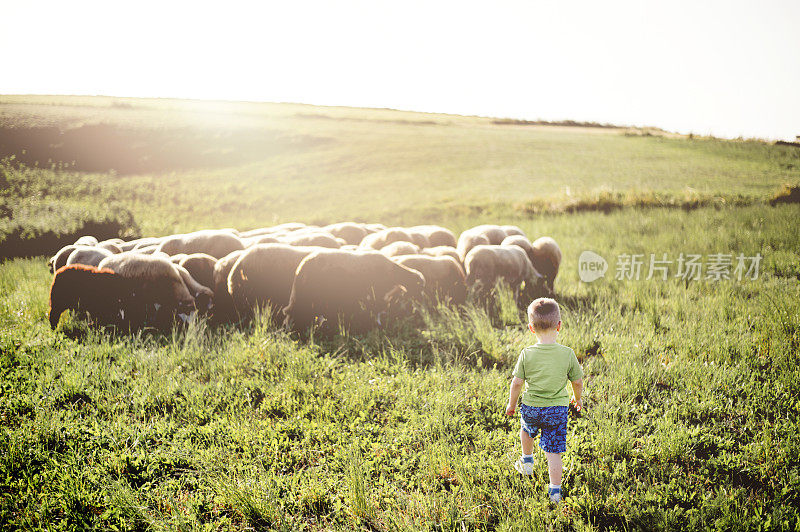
(546, 368)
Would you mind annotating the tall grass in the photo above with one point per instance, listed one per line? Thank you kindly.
(690, 419)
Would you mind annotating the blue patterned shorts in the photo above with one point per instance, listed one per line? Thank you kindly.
(551, 420)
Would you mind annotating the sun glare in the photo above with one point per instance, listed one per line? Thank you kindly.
(711, 67)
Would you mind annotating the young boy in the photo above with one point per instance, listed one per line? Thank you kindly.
(545, 367)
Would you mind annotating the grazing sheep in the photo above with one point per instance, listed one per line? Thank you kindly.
(383, 238)
(546, 259)
(147, 250)
(215, 243)
(140, 243)
(86, 241)
(400, 248)
(350, 232)
(152, 241)
(59, 260)
(263, 275)
(88, 256)
(436, 235)
(290, 226)
(201, 267)
(511, 230)
(223, 303)
(374, 228)
(442, 251)
(486, 265)
(111, 246)
(444, 277)
(418, 237)
(203, 296)
(522, 242)
(160, 285)
(262, 239)
(352, 286)
(468, 240)
(128, 246)
(97, 291)
(315, 238)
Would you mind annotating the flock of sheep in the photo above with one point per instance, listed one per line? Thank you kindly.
(351, 274)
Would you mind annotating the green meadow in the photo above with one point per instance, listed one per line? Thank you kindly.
(692, 386)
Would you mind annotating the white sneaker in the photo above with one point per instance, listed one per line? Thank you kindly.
(525, 468)
(555, 495)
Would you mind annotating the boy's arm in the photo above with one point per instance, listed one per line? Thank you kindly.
(513, 395)
(577, 390)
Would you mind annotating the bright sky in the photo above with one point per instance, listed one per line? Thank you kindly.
(726, 68)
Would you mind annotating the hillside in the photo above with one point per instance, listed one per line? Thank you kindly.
(183, 165)
(692, 385)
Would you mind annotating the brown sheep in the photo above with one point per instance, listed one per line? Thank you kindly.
(97, 291)
(546, 259)
(442, 251)
(201, 268)
(383, 238)
(354, 287)
(223, 303)
(88, 256)
(486, 265)
(350, 232)
(400, 248)
(436, 235)
(59, 260)
(444, 277)
(161, 285)
(263, 276)
(215, 243)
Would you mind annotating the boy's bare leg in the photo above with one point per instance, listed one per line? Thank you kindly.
(555, 467)
(526, 441)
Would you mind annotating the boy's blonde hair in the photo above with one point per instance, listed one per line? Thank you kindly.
(544, 314)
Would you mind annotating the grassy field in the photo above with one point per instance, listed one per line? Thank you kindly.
(692, 387)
